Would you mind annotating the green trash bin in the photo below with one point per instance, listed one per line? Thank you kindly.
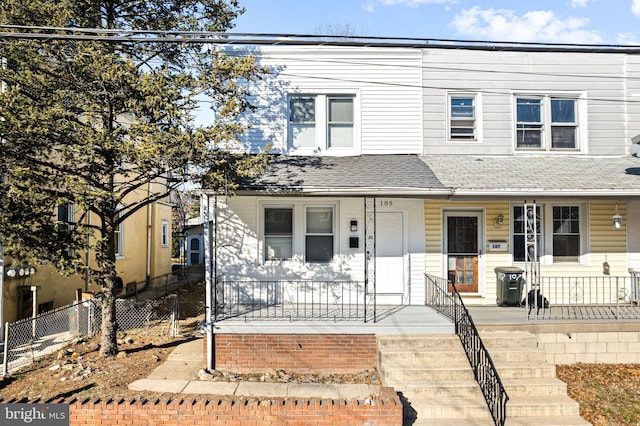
(508, 286)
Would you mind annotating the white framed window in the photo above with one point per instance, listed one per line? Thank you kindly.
(278, 233)
(561, 233)
(463, 112)
(302, 122)
(547, 123)
(518, 235)
(322, 122)
(119, 237)
(319, 234)
(65, 219)
(165, 233)
(566, 234)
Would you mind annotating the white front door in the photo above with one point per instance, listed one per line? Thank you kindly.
(390, 251)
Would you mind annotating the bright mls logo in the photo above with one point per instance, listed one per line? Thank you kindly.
(34, 414)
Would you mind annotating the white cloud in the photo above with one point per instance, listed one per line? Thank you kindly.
(413, 3)
(635, 7)
(535, 26)
(579, 3)
(628, 39)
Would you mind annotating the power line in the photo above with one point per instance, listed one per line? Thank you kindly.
(170, 36)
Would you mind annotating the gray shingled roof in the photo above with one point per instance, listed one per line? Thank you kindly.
(362, 175)
(546, 175)
(450, 175)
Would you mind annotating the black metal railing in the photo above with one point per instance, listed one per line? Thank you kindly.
(444, 298)
(292, 300)
(603, 297)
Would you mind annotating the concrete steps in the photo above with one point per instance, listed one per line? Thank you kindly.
(536, 396)
(433, 377)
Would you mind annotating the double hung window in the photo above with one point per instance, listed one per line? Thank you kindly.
(462, 117)
(321, 122)
(559, 233)
(319, 234)
(546, 123)
(299, 231)
(278, 233)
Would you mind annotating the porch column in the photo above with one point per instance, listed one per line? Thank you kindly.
(208, 277)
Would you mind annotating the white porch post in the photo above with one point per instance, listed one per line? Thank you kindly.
(208, 278)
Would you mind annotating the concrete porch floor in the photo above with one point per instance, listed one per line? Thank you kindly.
(414, 319)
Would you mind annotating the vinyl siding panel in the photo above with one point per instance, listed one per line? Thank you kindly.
(385, 82)
(600, 78)
(602, 244)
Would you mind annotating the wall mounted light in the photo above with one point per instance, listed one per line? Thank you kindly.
(616, 220)
(354, 226)
(499, 219)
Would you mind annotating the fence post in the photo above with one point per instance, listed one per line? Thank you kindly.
(5, 361)
(174, 317)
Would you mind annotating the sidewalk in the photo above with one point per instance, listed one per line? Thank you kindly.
(179, 374)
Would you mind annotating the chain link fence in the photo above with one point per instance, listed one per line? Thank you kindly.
(32, 338)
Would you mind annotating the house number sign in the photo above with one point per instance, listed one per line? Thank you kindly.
(386, 203)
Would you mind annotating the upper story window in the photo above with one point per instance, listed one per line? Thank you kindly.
(320, 123)
(546, 123)
(302, 122)
(462, 117)
(165, 233)
(65, 218)
(119, 237)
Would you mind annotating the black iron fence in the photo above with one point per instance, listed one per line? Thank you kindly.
(450, 304)
(584, 298)
(293, 300)
(163, 285)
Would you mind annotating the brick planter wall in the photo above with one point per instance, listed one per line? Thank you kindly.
(383, 411)
(297, 353)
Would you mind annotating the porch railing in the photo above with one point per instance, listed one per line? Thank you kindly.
(585, 298)
(450, 304)
(292, 300)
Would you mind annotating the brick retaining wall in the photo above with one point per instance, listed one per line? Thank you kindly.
(296, 353)
(386, 410)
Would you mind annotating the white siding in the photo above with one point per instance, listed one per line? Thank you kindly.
(239, 242)
(498, 75)
(386, 84)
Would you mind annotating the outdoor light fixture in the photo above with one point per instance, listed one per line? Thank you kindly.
(499, 219)
(616, 219)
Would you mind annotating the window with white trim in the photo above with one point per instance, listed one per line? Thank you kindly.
(65, 219)
(321, 122)
(519, 233)
(462, 117)
(119, 237)
(278, 233)
(319, 234)
(566, 233)
(165, 233)
(547, 123)
(560, 233)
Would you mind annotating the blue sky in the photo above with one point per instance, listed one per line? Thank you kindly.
(547, 21)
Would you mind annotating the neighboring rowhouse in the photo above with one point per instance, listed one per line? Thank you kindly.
(144, 250)
(395, 161)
